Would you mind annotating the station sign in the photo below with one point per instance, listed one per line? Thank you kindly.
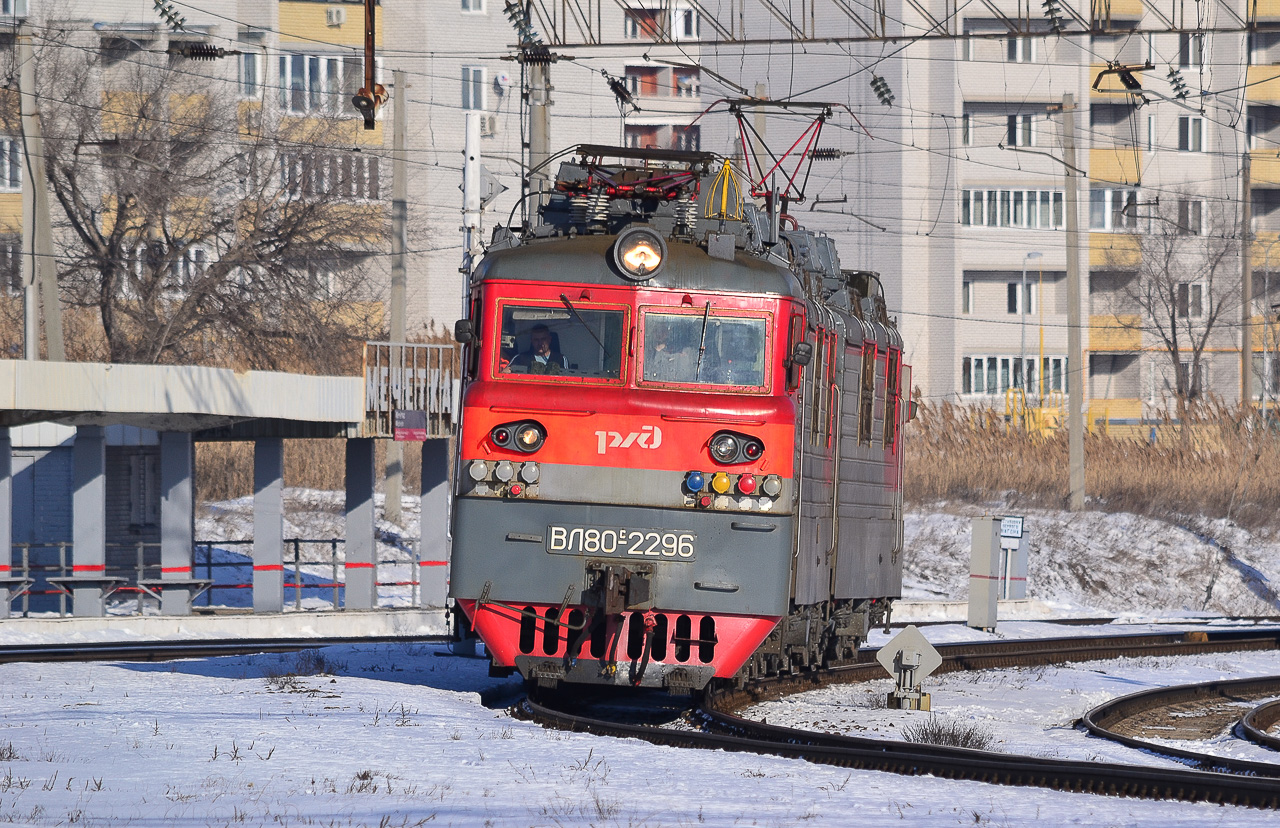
(410, 426)
(1010, 527)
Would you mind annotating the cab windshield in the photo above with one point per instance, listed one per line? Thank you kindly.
(561, 340)
(703, 350)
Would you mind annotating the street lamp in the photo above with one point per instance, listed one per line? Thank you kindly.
(1022, 333)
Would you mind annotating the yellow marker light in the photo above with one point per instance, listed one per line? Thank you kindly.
(721, 483)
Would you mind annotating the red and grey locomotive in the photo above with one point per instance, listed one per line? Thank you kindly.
(680, 454)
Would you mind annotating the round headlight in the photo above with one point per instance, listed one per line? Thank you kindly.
(501, 436)
(724, 448)
(639, 253)
(753, 449)
(529, 437)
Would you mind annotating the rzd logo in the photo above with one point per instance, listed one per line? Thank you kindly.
(649, 437)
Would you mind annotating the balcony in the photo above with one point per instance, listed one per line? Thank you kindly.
(1264, 168)
(1112, 250)
(1116, 165)
(1263, 82)
(1115, 332)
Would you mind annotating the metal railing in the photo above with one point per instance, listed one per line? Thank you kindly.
(314, 563)
(411, 377)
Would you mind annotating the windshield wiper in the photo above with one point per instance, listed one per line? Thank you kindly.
(702, 343)
(582, 322)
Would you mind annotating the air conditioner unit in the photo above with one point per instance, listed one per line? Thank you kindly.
(488, 124)
(335, 16)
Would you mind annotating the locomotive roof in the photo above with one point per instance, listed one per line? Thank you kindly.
(589, 260)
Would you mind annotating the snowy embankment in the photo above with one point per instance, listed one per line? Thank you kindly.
(1095, 563)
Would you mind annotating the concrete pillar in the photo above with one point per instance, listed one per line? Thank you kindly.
(89, 520)
(361, 544)
(433, 548)
(268, 525)
(6, 519)
(177, 520)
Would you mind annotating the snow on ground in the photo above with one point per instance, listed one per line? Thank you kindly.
(1095, 563)
(407, 734)
(400, 735)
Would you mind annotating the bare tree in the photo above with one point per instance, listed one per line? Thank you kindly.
(200, 227)
(1182, 286)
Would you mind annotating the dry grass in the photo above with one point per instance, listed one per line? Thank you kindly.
(225, 470)
(1216, 465)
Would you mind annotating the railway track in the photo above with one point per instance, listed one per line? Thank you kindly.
(718, 727)
(1216, 705)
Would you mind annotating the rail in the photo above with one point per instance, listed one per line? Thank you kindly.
(411, 377)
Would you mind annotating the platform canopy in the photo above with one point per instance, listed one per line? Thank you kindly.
(212, 403)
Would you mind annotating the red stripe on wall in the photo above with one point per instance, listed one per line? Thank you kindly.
(175, 570)
(356, 565)
(432, 563)
(268, 568)
(89, 568)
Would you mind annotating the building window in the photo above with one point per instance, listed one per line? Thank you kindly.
(1021, 298)
(966, 297)
(251, 84)
(687, 138)
(1021, 131)
(1151, 133)
(1250, 133)
(319, 83)
(687, 83)
(11, 263)
(344, 175)
(1113, 209)
(1191, 300)
(997, 374)
(688, 26)
(1030, 209)
(1190, 50)
(144, 489)
(1194, 383)
(473, 6)
(1190, 216)
(473, 87)
(1191, 134)
(1021, 50)
(966, 129)
(642, 24)
(10, 164)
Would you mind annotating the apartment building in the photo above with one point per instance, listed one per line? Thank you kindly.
(956, 192)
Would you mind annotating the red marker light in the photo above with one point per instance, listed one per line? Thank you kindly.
(516, 489)
(704, 501)
(747, 483)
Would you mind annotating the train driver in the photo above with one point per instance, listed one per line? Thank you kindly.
(541, 358)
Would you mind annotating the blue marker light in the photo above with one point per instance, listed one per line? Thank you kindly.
(695, 481)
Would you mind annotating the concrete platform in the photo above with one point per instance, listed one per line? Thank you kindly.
(389, 623)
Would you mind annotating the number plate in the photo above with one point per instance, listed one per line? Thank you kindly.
(646, 544)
